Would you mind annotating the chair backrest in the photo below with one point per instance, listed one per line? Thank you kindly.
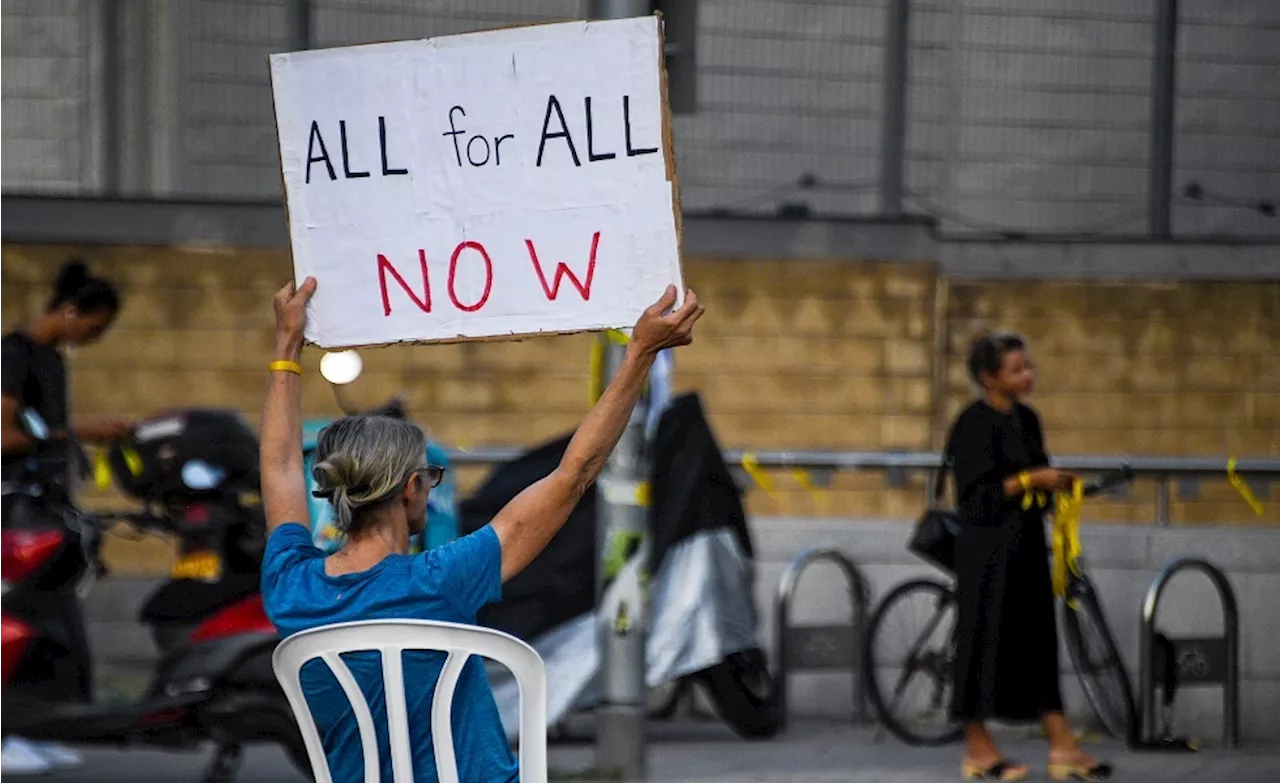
(391, 638)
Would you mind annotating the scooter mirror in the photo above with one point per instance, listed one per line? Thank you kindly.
(35, 424)
(201, 476)
(341, 367)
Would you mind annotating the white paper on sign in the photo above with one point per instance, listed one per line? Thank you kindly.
(500, 183)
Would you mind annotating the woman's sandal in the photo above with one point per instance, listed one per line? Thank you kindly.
(1089, 773)
(1001, 770)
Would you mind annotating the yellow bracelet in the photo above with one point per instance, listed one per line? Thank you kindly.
(284, 365)
(1024, 478)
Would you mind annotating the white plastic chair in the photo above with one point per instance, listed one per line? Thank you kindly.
(391, 638)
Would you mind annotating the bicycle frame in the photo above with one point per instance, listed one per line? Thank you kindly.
(1081, 601)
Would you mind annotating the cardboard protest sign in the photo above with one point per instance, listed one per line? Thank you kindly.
(503, 183)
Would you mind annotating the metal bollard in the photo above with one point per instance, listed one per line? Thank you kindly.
(820, 647)
(1201, 660)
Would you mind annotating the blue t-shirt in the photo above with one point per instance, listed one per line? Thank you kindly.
(450, 584)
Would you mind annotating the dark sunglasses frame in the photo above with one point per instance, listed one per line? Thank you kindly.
(433, 475)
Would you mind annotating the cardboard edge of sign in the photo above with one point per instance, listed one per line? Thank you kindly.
(668, 153)
(511, 337)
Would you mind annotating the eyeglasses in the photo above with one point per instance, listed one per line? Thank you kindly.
(432, 474)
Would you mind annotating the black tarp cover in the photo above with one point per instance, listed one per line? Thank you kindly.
(693, 491)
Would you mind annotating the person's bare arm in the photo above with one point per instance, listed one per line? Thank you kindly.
(1043, 479)
(103, 430)
(12, 438)
(526, 524)
(284, 490)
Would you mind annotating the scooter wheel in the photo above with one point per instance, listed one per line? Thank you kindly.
(744, 694)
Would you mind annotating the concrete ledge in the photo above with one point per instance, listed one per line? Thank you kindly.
(47, 219)
(1213, 259)
(1122, 561)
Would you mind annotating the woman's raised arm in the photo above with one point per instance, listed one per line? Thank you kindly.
(284, 492)
(527, 524)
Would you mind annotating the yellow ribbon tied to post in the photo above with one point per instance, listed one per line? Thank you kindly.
(1066, 537)
(1242, 486)
(805, 480)
(752, 466)
(597, 381)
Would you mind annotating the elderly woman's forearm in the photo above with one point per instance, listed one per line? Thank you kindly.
(282, 421)
(599, 432)
(526, 524)
(283, 488)
(282, 415)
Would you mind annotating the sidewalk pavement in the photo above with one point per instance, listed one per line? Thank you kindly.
(708, 753)
(826, 753)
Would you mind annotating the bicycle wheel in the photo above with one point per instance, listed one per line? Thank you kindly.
(908, 660)
(1097, 661)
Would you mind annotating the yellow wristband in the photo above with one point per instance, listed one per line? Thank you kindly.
(285, 366)
(1024, 478)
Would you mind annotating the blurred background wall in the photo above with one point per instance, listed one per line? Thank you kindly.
(1020, 115)
(866, 183)
(818, 354)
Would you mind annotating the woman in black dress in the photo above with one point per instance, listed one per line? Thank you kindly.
(1006, 638)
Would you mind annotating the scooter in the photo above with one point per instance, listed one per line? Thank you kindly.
(702, 621)
(196, 474)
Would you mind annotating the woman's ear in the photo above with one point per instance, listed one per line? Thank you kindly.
(413, 487)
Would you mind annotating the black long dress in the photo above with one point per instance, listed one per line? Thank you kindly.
(1006, 635)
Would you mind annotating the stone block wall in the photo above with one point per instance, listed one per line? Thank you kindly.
(1157, 368)
(802, 354)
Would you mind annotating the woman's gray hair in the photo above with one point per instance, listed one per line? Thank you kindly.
(362, 461)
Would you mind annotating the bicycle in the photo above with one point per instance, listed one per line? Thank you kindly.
(922, 718)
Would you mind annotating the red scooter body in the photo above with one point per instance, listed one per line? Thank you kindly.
(213, 680)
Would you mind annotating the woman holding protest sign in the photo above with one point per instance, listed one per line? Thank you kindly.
(372, 471)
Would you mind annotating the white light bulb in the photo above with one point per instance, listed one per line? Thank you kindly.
(341, 367)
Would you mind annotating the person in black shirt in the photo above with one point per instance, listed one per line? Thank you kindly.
(81, 309)
(1006, 637)
(34, 375)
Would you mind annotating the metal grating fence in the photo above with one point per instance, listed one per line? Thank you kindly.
(1031, 116)
(788, 92)
(1227, 115)
(1018, 116)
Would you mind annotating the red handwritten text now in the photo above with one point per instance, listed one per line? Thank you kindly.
(460, 255)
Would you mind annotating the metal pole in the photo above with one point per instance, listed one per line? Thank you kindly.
(1162, 501)
(619, 9)
(1146, 728)
(300, 24)
(622, 549)
(1231, 685)
(893, 126)
(1163, 83)
(621, 524)
(111, 77)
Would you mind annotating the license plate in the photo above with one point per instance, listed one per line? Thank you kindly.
(202, 566)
